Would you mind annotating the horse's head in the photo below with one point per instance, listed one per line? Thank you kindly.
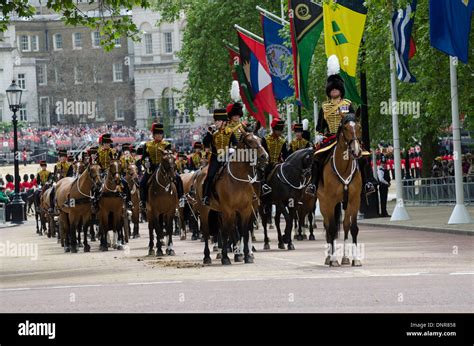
(79, 167)
(302, 158)
(132, 173)
(94, 174)
(351, 132)
(168, 164)
(114, 171)
(253, 142)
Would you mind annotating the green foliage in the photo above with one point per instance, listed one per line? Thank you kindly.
(108, 18)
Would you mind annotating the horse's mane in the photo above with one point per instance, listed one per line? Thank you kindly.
(348, 117)
(295, 158)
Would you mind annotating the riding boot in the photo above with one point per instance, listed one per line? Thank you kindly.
(180, 191)
(206, 192)
(143, 190)
(128, 196)
(51, 200)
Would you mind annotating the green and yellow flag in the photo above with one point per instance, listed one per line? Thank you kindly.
(344, 23)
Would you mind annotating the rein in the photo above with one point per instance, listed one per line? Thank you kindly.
(281, 175)
(79, 189)
(157, 178)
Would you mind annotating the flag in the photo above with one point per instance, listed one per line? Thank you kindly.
(238, 75)
(278, 56)
(450, 25)
(306, 24)
(343, 29)
(257, 80)
(402, 25)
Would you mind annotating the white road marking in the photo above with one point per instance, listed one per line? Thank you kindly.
(462, 273)
(154, 283)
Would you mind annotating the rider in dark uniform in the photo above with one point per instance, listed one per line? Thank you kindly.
(62, 169)
(126, 159)
(275, 145)
(44, 176)
(299, 142)
(196, 157)
(219, 140)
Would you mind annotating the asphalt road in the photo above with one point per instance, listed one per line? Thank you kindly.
(403, 271)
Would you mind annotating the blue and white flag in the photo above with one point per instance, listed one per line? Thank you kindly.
(402, 25)
(278, 58)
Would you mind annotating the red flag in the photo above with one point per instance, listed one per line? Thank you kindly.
(412, 50)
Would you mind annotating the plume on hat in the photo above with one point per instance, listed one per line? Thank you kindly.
(333, 65)
(305, 124)
(235, 91)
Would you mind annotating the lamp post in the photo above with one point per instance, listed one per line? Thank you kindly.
(14, 101)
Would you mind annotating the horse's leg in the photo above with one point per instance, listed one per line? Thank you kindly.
(73, 236)
(151, 221)
(289, 226)
(87, 247)
(346, 225)
(159, 234)
(327, 215)
(281, 244)
(333, 229)
(64, 231)
(205, 235)
(244, 224)
(356, 262)
(264, 217)
(311, 230)
(237, 244)
(224, 227)
(169, 232)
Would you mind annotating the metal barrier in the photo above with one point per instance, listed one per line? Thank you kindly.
(436, 190)
(3, 213)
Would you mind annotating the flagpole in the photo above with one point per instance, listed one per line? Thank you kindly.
(460, 213)
(399, 213)
(249, 33)
(315, 112)
(273, 16)
(288, 120)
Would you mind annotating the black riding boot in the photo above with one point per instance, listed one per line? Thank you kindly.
(368, 180)
(52, 196)
(128, 196)
(143, 189)
(206, 191)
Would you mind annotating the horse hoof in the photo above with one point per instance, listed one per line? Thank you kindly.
(73, 249)
(171, 252)
(49, 235)
(328, 260)
(291, 247)
(248, 259)
(159, 253)
(162, 243)
(87, 248)
(114, 246)
(238, 258)
(215, 248)
(285, 239)
(266, 246)
(219, 256)
(103, 248)
(80, 245)
(253, 238)
(254, 249)
(311, 237)
(207, 261)
(194, 237)
(345, 261)
(304, 237)
(225, 261)
(119, 247)
(67, 249)
(151, 252)
(334, 264)
(356, 263)
(281, 246)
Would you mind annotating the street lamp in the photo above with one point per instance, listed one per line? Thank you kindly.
(14, 101)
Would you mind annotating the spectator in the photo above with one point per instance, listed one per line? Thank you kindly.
(10, 187)
(3, 197)
(25, 185)
(384, 179)
(33, 182)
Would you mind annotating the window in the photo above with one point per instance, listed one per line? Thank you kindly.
(24, 43)
(77, 40)
(97, 74)
(118, 42)
(168, 42)
(58, 42)
(23, 115)
(118, 72)
(44, 110)
(100, 116)
(148, 44)
(42, 75)
(119, 111)
(35, 43)
(96, 39)
(22, 80)
(78, 75)
(151, 107)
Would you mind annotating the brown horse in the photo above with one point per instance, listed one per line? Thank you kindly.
(111, 208)
(233, 205)
(161, 204)
(342, 183)
(73, 200)
(188, 213)
(131, 176)
(49, 218)
(307, 208)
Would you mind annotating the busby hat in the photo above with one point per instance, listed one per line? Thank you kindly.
(220, 114)
(126, 147)
(105, 138)
(157, 128)
(334, 80)
(182, 154)
(197, 145)
(62, 152)
(43, 163)
(298, 127)
(278, 125)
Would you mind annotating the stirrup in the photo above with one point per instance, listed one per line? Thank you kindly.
(266, 189)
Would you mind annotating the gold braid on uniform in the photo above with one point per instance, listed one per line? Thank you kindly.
(44, 176)
(196, 159)
(274, 147)
(237, 128)
(62, 168)
(104, 157)
(333, 113)
(222, 138)
(155, 150)
(297, 144)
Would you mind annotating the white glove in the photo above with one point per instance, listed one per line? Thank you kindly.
(231, 151)
(318, 139)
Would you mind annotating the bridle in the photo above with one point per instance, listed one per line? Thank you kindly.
(94, 186)
(249, 179)
(116, 178)
(165, 175)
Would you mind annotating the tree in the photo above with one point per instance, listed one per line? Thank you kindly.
(106, 16)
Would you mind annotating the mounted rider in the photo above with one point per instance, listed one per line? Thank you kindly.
(44, 177)
(182, 162)
(333, 110)
(235, 112)
(299, 142)
(196, 157)
(105, 151)
(220, 139)
(126, 159)
(63, 167)
(276, 147)
(151, 159)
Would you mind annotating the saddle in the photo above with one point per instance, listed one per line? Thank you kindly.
(326, 144)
